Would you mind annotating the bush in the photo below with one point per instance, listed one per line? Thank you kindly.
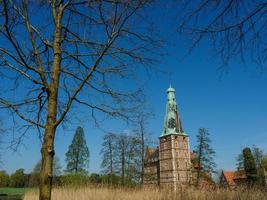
(17, 179)
(95, 178)
(4, 179)
(73, 180)
(111, 179)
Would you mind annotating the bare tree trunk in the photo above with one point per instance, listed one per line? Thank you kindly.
(111, 162)
(142, 150)
(46, 174)
(47, 151)
(77, 161)
(199, 159)
(123, 162)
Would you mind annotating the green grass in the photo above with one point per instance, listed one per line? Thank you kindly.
(12, 193)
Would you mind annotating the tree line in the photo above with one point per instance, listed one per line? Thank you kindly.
(123, 158)
(77, 159)
(20, 179)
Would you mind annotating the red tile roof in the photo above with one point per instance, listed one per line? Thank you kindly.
(229, 176)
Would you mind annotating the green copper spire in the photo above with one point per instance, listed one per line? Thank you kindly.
(172, 121)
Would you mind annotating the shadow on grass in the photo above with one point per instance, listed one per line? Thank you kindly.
(9, 193)
(10, 197)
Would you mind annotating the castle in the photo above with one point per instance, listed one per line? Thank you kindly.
(169, 165)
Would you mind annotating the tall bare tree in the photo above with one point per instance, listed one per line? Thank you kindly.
(108, 152)
(0, 143)
(127, 158)
(58, 54)
(258, 155)
(235, 28)
(142, 134)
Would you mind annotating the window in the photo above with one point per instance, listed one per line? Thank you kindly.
(171, 123)
(176, 144)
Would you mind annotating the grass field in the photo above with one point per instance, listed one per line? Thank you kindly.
(12, 193)
(88, 193)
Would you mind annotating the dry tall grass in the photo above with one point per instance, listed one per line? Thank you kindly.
(101, 193)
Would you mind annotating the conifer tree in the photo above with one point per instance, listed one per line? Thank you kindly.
(77, 157)
(205, 154)
(240, 162)
(250, 166)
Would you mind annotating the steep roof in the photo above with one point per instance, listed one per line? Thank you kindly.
(172, 121)
(232, 176)
(229, 176)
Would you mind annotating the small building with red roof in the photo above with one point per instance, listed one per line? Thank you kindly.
(232, 179)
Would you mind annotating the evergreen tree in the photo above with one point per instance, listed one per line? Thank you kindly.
(240, 162)
(77, 157)
(250, 166)
(205, 154)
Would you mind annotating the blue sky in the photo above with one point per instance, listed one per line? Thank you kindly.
(232, 106)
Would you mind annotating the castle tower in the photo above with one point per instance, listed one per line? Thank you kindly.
(174, 152)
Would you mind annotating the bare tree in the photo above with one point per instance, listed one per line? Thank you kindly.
(121, 156)
(108, 152)
(1, 142)
(122, 144)
(142, 134)
(258, 155)
(58, 54)
(126, 157)
(235, 28)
